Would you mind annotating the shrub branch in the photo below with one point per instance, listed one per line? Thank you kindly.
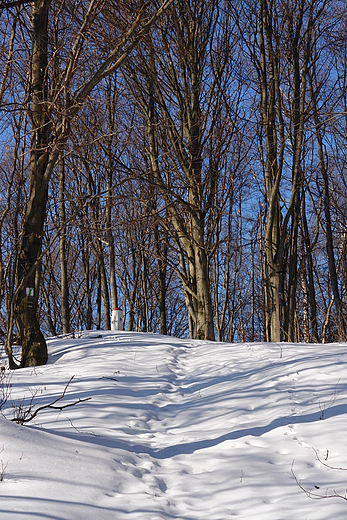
(30, 414)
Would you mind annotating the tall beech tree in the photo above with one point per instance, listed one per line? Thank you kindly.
(180, 80)
(52, 108)
(280, 40)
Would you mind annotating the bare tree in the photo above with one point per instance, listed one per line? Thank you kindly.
(280, 41)
(53, 106)
(180, 82)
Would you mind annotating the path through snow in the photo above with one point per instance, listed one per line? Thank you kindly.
(178, 429)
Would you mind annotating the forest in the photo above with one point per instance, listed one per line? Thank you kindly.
(183, 160)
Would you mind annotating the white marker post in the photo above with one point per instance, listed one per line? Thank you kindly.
(117, 319)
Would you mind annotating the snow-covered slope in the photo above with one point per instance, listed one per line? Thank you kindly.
(178, 429)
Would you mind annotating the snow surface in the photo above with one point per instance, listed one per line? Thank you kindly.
(178, 429)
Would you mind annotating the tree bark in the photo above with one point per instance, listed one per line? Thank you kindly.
(109, 196)
(88, 289)
(310, 275)
(45, 153)
(183, 139)
(271, 106)
(64, 288)
(161, 246)
(34, 348)
(297, 53)
(341, 326)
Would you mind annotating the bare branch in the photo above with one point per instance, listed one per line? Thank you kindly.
(315, 494)
(15, 3)
(327, 465)
(32, 414)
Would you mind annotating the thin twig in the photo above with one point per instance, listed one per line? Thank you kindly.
(314, 495)
(51, 405)
(327, 465)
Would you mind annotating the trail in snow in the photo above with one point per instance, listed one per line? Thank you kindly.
(178, 429)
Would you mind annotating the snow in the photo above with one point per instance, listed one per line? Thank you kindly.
(178, 429)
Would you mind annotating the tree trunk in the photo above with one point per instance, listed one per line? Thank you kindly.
(204, 321)
(341, 327)
(310, 273)
(275, 321)
(34, 348)
(110, 166)
(135, 277)
(300, 70)
(269, 67)
(293, 271)
(64, 289)
(186, 183)
(98, 299)
(96, 243)
(271, 106)
(105, 294)
(45, 153)
(88, 289)
(161, 246)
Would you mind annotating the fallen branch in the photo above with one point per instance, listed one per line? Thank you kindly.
(29, 414)
(327, 465)
(316, 495)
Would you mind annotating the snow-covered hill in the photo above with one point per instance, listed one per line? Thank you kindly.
(178, 430)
